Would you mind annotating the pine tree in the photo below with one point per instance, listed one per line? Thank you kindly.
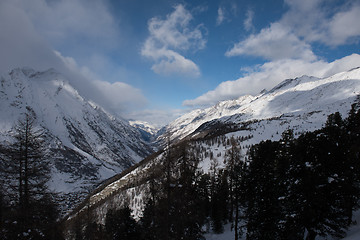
(352, 128)
(323, 182)
(286, 178)
(174, 212)
(236, 168)
(34, 213)
(290, 172)
(187, 204)
(119, 224)
(149, 227)
(203, 196)
(219, 193)
(263, 211)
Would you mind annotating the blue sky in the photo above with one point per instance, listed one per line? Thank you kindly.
(154, 60)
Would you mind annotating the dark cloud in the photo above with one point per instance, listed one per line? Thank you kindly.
(21, 45)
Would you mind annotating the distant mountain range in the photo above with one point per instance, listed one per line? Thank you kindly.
(88, 145)
(302, 104)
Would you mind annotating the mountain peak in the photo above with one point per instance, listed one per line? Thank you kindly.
(299, 96)
(86, 144)
(292, 82)
(24, 71)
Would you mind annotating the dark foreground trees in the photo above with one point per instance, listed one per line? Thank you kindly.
(178, 209)
(29, 210)
(306, 186)
(119, 224)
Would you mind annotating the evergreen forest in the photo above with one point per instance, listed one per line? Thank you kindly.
(294, 188)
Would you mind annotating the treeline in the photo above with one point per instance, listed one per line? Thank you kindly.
(287, 189)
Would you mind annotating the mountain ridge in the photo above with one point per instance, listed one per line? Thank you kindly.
(301, 106)
(288, 97)
(87, 143)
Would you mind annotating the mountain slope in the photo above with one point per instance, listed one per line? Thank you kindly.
(86, 144)
(307, 98)
(301, 104)
(147, 131)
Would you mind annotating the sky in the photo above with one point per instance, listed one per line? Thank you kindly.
(155, 60)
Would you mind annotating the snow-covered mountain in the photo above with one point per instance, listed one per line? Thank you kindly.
(87, 144)
(145, 126)
(188, 123)
(302, 103)
(147, 131)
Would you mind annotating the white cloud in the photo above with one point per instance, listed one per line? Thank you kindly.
(169, 37)
(221, 16)
(306, 18)
(270, 74)
(175, 63)
(286, 44)
(156, 117)
(344, 26)
(117, 97)
(306, 22)
(273, 43)
(323, 21)
(120, 96)
(248, 22)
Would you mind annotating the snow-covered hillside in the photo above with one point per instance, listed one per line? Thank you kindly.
(302, 103)
(147, 131)
(188, 123)
(86, 144)
(145, 126)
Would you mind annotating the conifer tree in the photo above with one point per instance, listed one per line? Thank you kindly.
(34, 212)
(120, 225)
(352, 128)
(263, 211)
(173, 212)
(324, 187)
(236, 170)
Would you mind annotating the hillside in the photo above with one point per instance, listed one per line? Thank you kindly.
(301, 104)
(86, 144)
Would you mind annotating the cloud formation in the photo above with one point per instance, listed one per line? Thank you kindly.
(287, 46)
(221, 16)
(157, 117)
(248, 22)
(306, 22)
(22, 44)
(168, 38)
(117, 97)
(72, 22)
(269, 74)
(323, 21)
(273, 43)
